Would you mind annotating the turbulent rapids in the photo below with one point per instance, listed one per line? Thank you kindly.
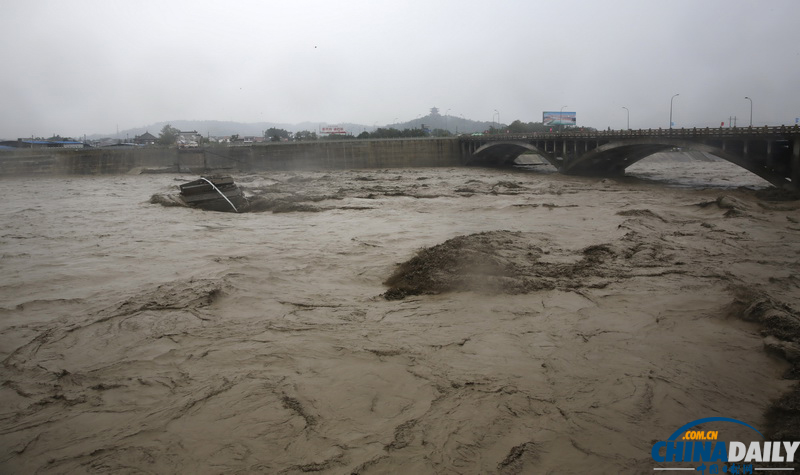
(404, 321)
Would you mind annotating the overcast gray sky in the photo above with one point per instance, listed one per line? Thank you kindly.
(75, 67)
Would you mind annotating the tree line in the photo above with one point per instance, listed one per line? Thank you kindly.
(169, 135)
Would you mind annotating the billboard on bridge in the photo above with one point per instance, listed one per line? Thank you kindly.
(559, 118)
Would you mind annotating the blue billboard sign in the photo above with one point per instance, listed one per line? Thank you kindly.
(559, 118)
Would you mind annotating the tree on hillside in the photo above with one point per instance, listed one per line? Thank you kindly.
(168, 135)
(392, 133)
(275, 135)
(305, 135)
(337, 137)
(381, 133)
(519, 127)
(59, 138)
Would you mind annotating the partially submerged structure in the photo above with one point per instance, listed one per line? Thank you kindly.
(215, 193)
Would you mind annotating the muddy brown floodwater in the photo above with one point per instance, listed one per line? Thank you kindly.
(388, 321)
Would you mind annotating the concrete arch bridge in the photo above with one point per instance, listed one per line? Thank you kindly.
(773, 153)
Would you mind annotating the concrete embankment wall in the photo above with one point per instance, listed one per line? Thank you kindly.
(280, 156)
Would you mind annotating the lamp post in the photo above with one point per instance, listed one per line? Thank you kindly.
(561, 117)
(445, 121)
(496, 112)
(670, 109)
(629, 117)
(751, 111)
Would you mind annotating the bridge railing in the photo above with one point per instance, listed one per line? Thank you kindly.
(767, 131)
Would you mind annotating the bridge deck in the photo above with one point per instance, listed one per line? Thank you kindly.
(763, 132)
(770, 152)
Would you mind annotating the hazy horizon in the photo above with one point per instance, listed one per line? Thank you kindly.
(90, 67)
(225, 128)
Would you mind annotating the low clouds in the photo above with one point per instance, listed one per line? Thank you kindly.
(87, 66)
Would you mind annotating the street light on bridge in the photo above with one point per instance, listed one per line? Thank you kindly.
(670, 109)
(498, 118)
(629, 117)
(561, 118)
(751, 110)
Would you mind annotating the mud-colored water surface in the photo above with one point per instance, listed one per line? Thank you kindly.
(387, 321)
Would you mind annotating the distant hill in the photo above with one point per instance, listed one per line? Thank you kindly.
(456, 125)
(224, 128)
(204, 127)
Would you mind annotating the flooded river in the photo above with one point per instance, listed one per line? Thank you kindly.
(140, 338)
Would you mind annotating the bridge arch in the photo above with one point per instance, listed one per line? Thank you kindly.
(506, 151)
(615, 156)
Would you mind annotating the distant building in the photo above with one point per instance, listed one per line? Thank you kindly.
(189, 139)
(145, 139)
(40, 143)
(105, 142)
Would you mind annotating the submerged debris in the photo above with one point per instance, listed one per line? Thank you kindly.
(215, 193)
(220, 193)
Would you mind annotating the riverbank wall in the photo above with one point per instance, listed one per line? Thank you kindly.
(322, 154)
